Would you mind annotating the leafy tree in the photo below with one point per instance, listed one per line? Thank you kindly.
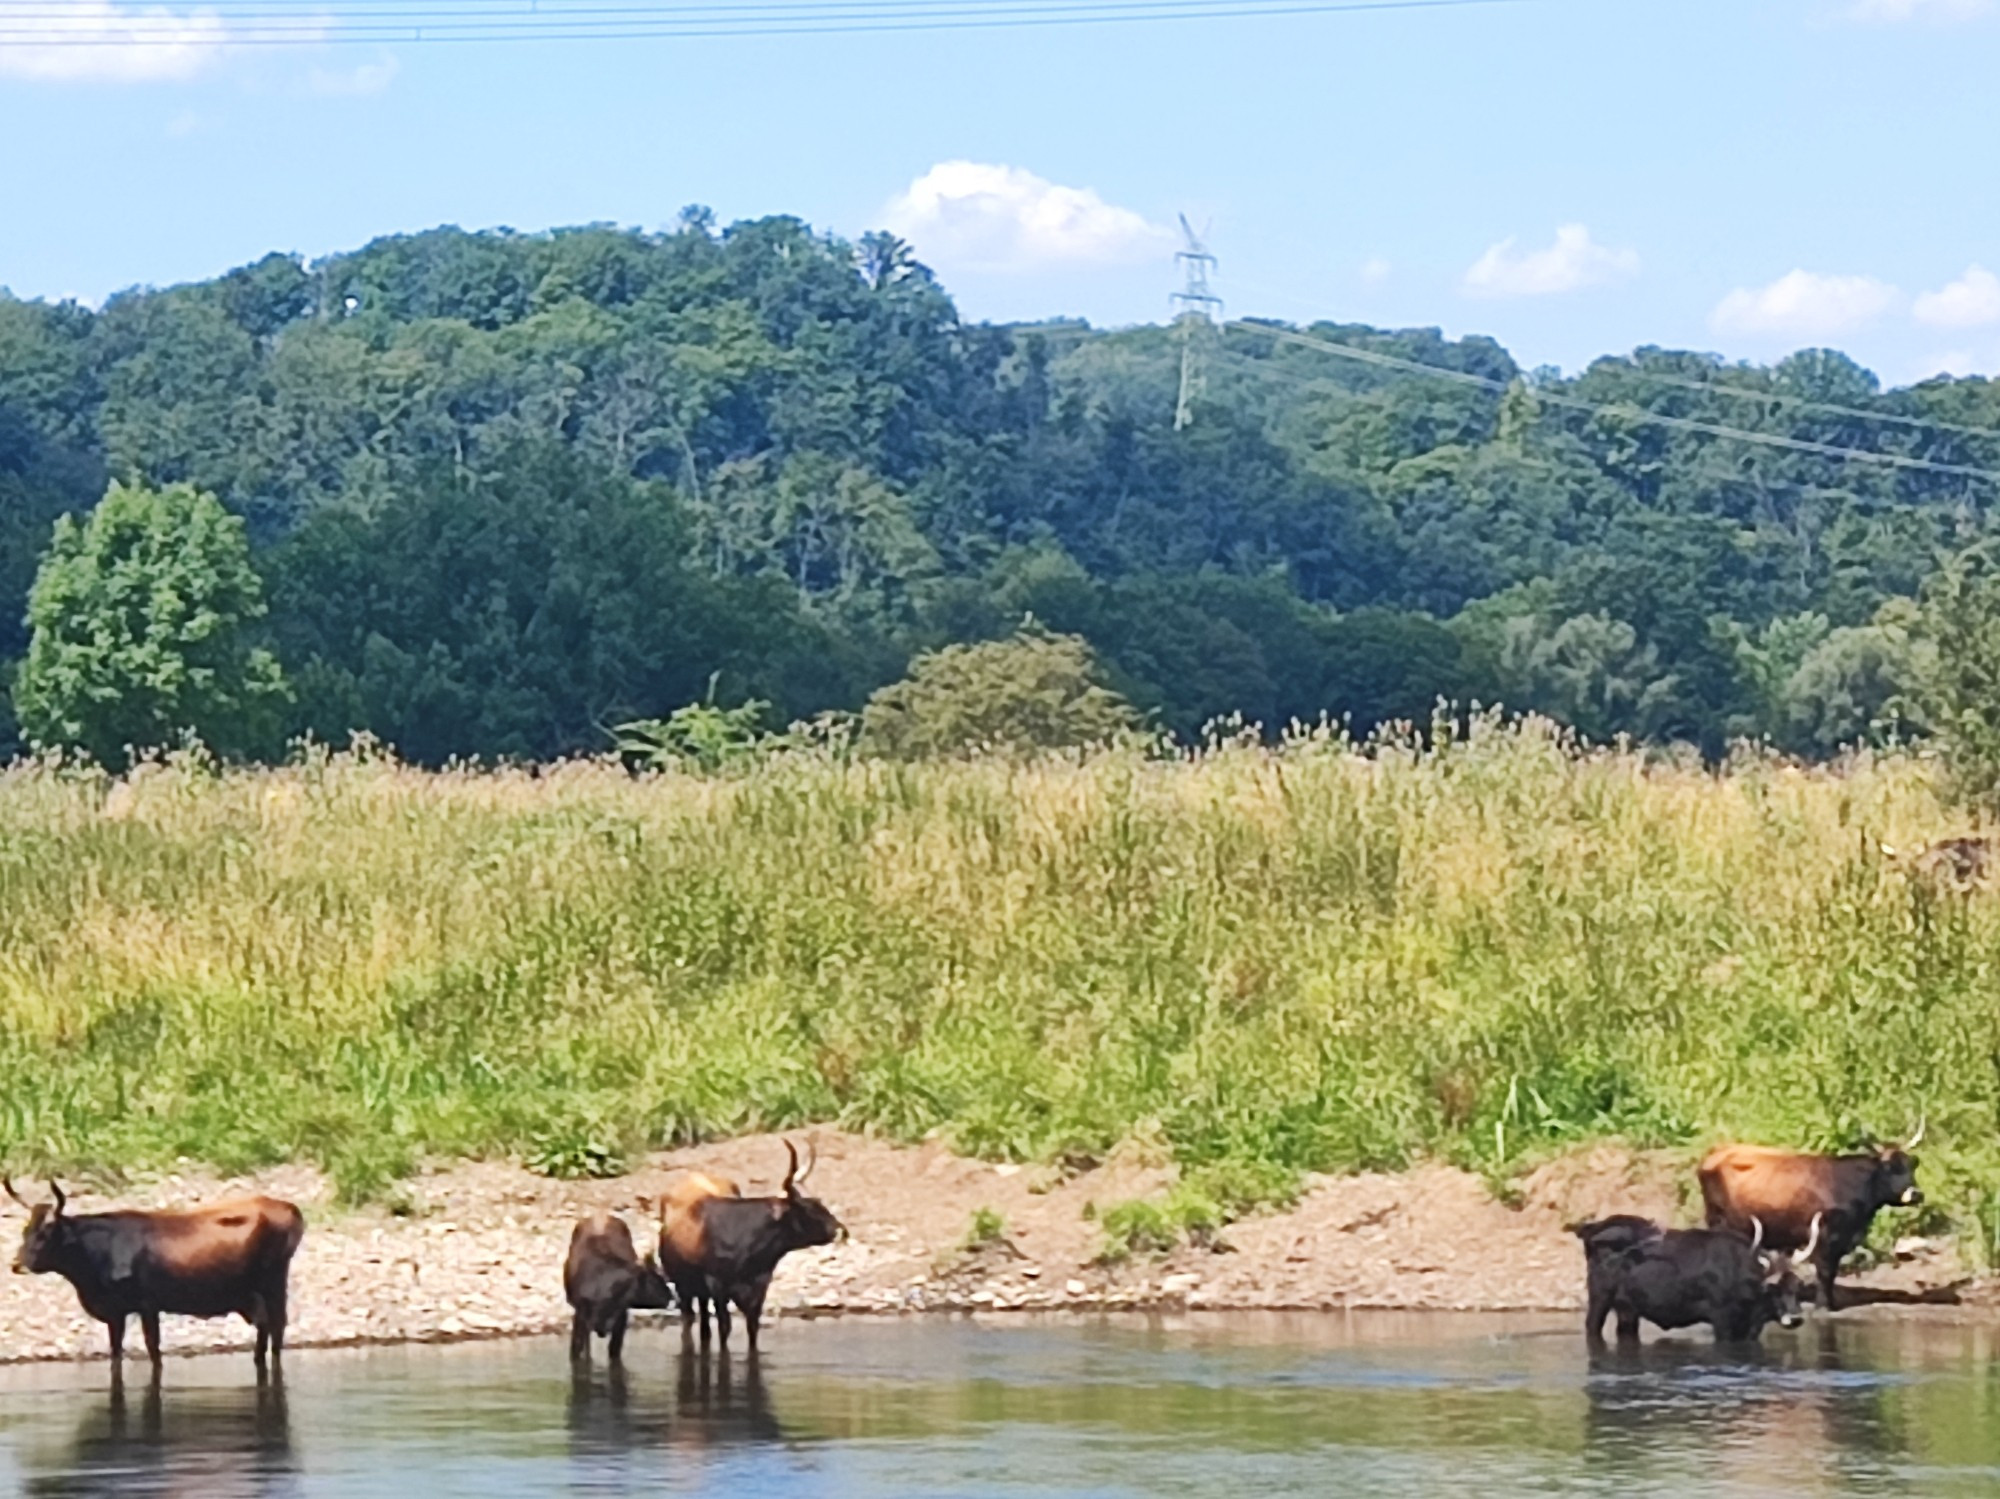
(1591, 671)
(1960, 693)
(1034, 691)
(857, 476)
(1854, 685)
(140, 621)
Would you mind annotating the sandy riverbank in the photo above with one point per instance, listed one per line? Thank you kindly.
(480, 1253)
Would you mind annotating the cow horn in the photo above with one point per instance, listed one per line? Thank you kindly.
(1918, 1138)
(791, 1176)
(1812, 1239)
(61, 1201)
(8, 1182)
(812, 1160)
(1756, 1234)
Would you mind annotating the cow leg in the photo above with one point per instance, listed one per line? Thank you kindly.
(689, 1298)
(1628, 1325)
(149, 1324)
(1594, 1315)
(721, 1300)
(1828, 1267)
(751, 1301)
(257, 1313)
(617, 1350)
(579, 1336)
(277, 1316)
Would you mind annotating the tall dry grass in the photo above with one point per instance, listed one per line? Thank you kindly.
(1322, 958)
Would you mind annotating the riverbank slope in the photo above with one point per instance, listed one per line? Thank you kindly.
(480, 1249)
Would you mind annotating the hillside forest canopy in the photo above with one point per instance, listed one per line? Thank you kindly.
(502, 492)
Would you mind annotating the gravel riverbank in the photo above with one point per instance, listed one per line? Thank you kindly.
(479, 1253)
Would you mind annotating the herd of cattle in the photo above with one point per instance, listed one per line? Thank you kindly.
(1768, 1212)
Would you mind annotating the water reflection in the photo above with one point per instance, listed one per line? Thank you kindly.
(625, 1426)
(1115, 1408)
(206, 1443)
(1796, 1415)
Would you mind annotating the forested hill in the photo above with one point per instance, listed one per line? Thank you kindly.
(508, 489)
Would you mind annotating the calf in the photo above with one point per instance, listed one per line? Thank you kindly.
(604, 1280)
(716, 1249)
(1789, 1192)
(1678, 1277)
(232, 1257)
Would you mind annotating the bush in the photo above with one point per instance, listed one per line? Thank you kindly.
(1036, 691)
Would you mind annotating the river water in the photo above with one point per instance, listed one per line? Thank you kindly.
(1264, 1405)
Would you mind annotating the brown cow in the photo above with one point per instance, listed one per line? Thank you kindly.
(603, 1281)
(676, 1204)
(1788, 1189)
(231, 1257)
(1964, 865)
(719, 1249)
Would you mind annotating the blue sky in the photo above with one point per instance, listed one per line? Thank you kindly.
(1574, 177)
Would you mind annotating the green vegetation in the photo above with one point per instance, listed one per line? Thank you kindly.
(1034, 691)
(1185, 1214)
(139, 616)
(1481, 951)
(509, 491)
(987, 1228)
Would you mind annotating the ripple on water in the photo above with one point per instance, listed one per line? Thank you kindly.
(1276, 1406)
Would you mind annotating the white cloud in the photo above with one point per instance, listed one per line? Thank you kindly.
(1574, 260)
(985, 216)
(1893, 11)
(94, 39)
(1972, 301)
(1804, 304)
(1375, 271)
(367, 78)
(1954, 362)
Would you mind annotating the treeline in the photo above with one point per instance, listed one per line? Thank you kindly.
(506, 491)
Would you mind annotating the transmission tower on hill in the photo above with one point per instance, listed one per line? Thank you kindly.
(1196, 312)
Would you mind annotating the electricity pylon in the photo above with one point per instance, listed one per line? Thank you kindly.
(1196, 312)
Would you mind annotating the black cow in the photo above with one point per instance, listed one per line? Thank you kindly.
(604, 1280)
(231, 1257)
(1678, 1277)
(716, 1250)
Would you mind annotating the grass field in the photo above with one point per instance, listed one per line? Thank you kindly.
(1319, 959)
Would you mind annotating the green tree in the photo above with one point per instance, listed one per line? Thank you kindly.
(1856, 684)
(139, 623)
(1034, 691)
(1960, 694)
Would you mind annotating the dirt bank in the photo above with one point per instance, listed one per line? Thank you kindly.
(480, 1253)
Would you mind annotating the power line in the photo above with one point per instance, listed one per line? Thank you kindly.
(1778, 398)
(1635, 414)
(1724, 388)
(664, 21)
(1831, 488)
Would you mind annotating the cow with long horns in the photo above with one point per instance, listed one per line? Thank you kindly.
(223, 1259)
(1680, 1277)
(1789, 1191)
(718, 1249)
